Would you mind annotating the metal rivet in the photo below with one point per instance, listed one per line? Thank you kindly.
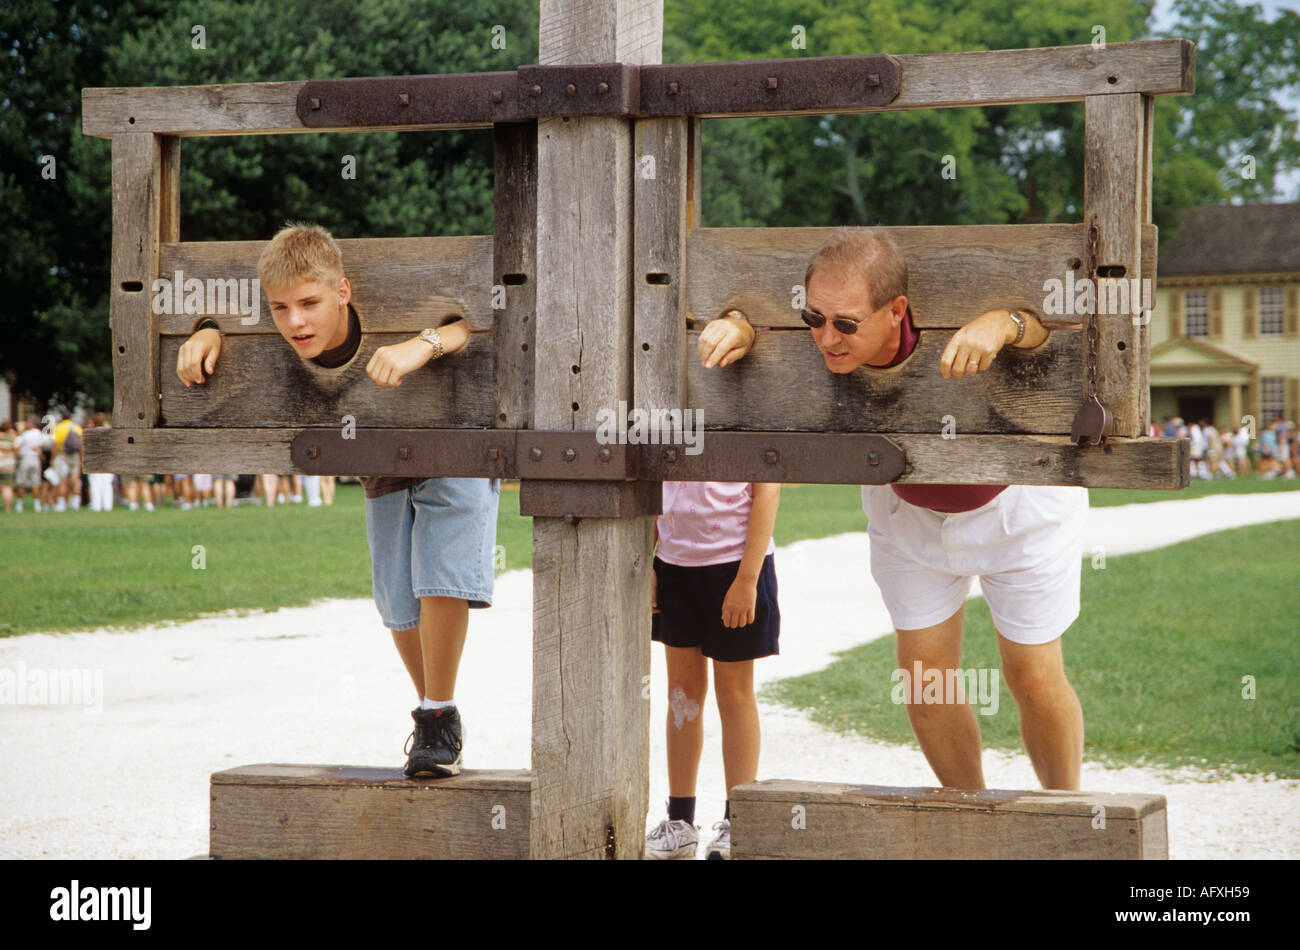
(570, 90)
(498, 96)
(494, 454)
(604, 454)
(313, 452)
(873, 458)
(535, 454)
(673, 89)
(771, 456)
(873, 79)
(603, 88)
(403, 99)
(670, 455)
(403, 452)
(314, 102)
(569, 455)
(771, 83)
(571, 518)
(537, 90)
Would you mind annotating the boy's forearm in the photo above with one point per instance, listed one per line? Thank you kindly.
(762, 521)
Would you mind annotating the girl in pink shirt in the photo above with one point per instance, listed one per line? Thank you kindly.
(715, 599)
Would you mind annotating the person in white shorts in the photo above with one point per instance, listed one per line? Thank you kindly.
(1024, 543)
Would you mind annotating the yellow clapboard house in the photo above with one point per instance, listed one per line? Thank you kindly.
(1225, 329)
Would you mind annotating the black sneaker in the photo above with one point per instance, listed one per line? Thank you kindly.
(435, 750)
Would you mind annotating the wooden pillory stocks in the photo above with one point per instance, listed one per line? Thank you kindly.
(597, 270)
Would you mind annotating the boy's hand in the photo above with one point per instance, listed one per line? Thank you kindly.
(725, 340)
(391, 363)
(738, 605)
(198, 355)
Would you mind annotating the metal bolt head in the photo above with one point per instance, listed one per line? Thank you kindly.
(604, 454)
(498, 96)
(403, 452)
(537, 90)
(569, 455)
(674, 89)
(314, 102)
(873, 458)
(603, 89)
(570, 90)
(403, 99)
(494, 454)
(771, 456)
(771, 83)
(873, 79)
(670, 455)
(535, 454)
(313, 452)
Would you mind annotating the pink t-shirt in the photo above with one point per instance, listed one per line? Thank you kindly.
(705, 523)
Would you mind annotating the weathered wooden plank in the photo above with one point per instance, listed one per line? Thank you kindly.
(660, 182)
(818, 820)
(783, 384)
(168, 451)
(514, 272)
(261, 383)
(297, 812)
(398, 284)
(144, 202)
(1114, 193)
(955, 273)
(591, 581)
(929, 80)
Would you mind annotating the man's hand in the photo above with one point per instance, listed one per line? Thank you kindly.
(198, 355)
(972, 348)
(738, 605)
(391, 363)
(725, 340)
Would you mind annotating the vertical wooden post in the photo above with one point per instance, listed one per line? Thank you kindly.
(146, 213)
(514, 253)
(591, 580)
(1116, 186)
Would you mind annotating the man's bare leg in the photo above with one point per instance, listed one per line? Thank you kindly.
(443, 624)
(1051, 719)
(948, 732)
(733, 684)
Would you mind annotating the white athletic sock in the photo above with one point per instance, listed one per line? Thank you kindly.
(428, 703)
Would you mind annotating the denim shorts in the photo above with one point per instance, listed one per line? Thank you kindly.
(433, 540)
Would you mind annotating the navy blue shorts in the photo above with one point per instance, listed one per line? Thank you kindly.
(690, 611)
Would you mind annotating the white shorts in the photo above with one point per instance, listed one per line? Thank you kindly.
(1026, 547)
(203, 483)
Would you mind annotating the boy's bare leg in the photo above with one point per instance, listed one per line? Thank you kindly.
(1051, 719)
(688, 685)
(408, 648)
(733, 684)
(443, 624)
(949, 733)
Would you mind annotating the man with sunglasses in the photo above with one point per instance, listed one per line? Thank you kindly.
(1025, 543)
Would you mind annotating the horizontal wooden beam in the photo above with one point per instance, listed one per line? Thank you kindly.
(314, 812)
(259, 382)
(929, 81)
(774, 456)
(784, 819)
(955, 272)
(398, 284)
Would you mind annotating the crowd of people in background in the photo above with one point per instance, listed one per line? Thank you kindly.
(41, 470)
(1231, 452)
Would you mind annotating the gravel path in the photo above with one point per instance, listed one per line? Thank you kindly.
(322, 684)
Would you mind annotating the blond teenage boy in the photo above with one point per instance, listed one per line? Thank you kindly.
(430, 539)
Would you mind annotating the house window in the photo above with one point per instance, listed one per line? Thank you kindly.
(1196, 310)
(1272, 397)
(1270, 311)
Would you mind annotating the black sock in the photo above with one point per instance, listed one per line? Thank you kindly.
(726, 813)
(681, 809)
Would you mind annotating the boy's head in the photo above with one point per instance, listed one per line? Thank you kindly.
(301, 272)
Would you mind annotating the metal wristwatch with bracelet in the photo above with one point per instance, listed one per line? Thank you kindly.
(431, 336)
(1019, 319)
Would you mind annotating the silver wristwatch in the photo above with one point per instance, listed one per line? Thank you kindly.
(1019, 317)
(431, 336)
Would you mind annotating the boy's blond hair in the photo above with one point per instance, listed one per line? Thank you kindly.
(299, 252)
(866, 252)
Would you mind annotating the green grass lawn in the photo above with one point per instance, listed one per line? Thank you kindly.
(1157, 656)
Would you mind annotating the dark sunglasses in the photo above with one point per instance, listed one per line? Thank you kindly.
(843, 324)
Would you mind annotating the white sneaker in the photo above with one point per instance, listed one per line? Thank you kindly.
(720, 847)
(672, 840)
